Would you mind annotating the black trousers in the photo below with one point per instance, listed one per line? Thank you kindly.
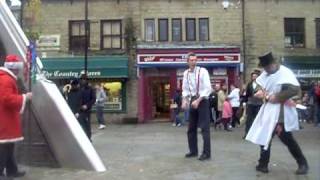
(235, 119)
(252, 111)
(85, 122)
(199, 118)
(7, 159)
(293, 147)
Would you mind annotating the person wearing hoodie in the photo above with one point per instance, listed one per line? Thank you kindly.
(101, 98)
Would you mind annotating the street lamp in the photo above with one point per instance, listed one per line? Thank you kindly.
(86, 44)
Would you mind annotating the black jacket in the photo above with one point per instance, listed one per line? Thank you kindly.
(74, 100)
(88, 97)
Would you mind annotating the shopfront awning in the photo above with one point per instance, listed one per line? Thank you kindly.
(98, 67)
(302, 62)
(303, 66)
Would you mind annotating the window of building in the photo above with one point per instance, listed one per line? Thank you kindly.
(149, 29)
(318, 32)
(204, 29)
(190, 29)
(115, 92)
(77, 35)
(176, 30)
(163, 29)
(294, 32)
(111, 34)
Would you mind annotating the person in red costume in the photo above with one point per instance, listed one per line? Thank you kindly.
(12, 104)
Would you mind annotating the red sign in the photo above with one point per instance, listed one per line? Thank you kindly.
(149, 58)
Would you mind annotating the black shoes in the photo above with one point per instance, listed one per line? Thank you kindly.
(204, 157)
(261, 168)
(302, 169)
(17, 174)
(190, 155)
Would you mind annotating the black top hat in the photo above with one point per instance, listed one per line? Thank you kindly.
(266, 59)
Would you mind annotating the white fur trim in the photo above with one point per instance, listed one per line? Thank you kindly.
(23, 103)
(13, 65)
(8, 71)
(3, 141)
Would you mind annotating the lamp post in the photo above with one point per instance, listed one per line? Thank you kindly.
(86, 44)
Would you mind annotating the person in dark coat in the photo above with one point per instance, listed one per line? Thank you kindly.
(74, 98)
(88, 98)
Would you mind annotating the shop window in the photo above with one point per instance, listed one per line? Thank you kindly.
(294, 32)
(115, 91)
(318, 32)
(163, 29)
(176, 30)
(111, 33)
(149, 29)
(77, 35)
(190, 29)
(204, 29)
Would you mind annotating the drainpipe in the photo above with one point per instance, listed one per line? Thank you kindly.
(243, 39)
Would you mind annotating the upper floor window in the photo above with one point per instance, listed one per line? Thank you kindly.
(204, 29)
(149, 30)
(111, 34)
(163, 29)
(294, 32)
(176, 30)
(318, 32)
(77, 35)
(190, 29)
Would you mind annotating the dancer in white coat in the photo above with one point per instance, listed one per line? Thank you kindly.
(278, 114)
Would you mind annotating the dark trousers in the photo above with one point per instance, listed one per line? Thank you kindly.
(293, 147)
(85, 122)
(199, 118)
(235, 119)
(252, 111)
(99, 114)
(7, 159)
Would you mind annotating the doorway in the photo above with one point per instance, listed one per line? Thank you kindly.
(160, 93)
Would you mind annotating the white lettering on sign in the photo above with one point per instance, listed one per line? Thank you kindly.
(68, 74)
(308, 73)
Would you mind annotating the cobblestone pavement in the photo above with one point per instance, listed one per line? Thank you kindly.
(156, 151)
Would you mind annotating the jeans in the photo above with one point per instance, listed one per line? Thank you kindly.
(99, 113)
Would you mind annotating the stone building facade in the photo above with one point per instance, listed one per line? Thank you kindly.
(252, 26)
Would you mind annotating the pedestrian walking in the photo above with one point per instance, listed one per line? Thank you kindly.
(176, 107)
(234, 99)
(88, 98)
(196, 89)
(12, 105)
(253, 103)
(278, 114)
(101, 99)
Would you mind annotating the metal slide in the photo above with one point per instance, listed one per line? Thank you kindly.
(67, 140)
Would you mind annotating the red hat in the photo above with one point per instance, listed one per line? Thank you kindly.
(13, 62)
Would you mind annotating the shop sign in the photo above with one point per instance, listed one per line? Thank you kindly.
(69, 74)
(219, 71)
(48, 42)
(181, 58)
(307, 73)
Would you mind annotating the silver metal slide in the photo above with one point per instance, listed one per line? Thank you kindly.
(67, 140)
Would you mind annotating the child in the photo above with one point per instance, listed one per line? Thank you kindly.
(226, 115)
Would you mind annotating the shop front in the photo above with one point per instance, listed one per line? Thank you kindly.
(306, 69)
(109, 71)
(160, 73)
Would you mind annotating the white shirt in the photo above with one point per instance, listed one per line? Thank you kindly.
(234, 97)
(191, 81)
(265, 122)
